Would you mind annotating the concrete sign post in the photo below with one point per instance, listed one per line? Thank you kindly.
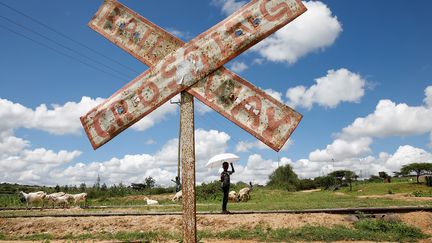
(193, 69)
(188, 166)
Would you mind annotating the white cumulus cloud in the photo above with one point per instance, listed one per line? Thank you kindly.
(256, 170)
(155, 116)
(64, 119)
(246, 146)
(238, 67)
(10, 145)
(228, 6)
(47, 167)
(363, 166)
(428, 97)
(329, 91)
(162, 165)
(314, 30)
(351, 147)
(59, 119)
(275, 94)
(35, 166)
(341, 149)
(391, 119)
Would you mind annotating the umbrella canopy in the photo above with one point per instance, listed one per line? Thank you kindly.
(217, 160)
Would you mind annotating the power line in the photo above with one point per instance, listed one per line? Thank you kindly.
(66, 47)
(59, 52)
(69, 38)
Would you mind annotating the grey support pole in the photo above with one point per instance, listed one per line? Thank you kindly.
(188, 167)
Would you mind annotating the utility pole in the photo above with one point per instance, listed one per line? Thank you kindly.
(179, 141)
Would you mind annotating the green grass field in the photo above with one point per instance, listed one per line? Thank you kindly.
(270, 199)
(263, 198)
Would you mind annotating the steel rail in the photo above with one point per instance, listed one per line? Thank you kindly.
(370, 210)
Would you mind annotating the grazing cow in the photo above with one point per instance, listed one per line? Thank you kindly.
(150, 201)
(32, 197)
(177, 196)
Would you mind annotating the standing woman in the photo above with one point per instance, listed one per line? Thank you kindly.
(225, 181)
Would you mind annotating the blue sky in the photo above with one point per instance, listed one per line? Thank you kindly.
(358, 71)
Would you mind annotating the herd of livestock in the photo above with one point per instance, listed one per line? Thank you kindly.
(65, 199)
(242, 196)
(53, 199)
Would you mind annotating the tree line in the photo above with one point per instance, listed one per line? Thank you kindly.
(97, 190)
(282, 178)
(285, 178)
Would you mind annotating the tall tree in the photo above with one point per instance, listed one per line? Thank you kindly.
(384, 176)
(149, 182)
(418, 168)
(344, 176)
(284, 177)
(97, 184)
(83, 187)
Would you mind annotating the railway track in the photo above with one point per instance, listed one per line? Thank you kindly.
(370, 211)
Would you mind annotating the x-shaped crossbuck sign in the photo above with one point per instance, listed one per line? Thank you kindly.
(195, 67)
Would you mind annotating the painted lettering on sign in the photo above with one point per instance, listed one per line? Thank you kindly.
(187, 65)
(249, 107)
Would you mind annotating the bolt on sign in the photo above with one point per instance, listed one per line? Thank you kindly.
(195, 67)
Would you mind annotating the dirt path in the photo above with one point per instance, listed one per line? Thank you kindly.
(399, 196)
(63, 226)
(421, 220)
(59, 227)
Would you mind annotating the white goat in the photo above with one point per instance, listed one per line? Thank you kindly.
(80, 197)
(51, 198)
(177, 196)
(150, 201)
(233, 196)
(244, 194)
(32, 197)
(64, 199)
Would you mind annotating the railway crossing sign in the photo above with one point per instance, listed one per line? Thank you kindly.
(194, 68)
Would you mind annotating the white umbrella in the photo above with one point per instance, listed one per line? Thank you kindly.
(217, 160)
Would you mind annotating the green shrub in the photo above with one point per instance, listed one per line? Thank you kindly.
(395, 230)
(375, 178)
(326, 182)
(306, 184)
(284, 178)
(209, 191)
(422, 194)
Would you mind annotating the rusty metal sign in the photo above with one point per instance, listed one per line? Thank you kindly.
(270, 121)
(176, 66)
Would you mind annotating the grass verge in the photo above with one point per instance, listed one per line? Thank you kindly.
(367, 229)
(373, 230)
